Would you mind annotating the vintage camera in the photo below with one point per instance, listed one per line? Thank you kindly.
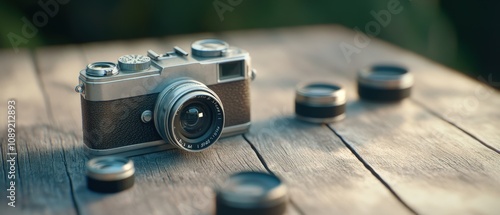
(154, 102)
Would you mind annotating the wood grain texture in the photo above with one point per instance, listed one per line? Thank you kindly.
(169, 182)
(325, 177)
(461, 100)
(433, 166)
(20, 82)
(464, 102)
(447, 174)
(36, 158)
(416, 148)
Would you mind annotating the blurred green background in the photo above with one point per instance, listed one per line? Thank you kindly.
(460, 34)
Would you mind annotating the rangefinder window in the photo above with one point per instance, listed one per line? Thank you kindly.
(231, 70)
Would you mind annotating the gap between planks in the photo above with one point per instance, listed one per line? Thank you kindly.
(454, 125)
(372, 170)
(142, 160)
(50, 114)
(263, 162)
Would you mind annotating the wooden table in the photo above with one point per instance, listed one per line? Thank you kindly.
(435, 153)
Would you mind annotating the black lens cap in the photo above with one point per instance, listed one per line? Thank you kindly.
(252, 193)
(320, 102)
(384, 83)
(110, 174)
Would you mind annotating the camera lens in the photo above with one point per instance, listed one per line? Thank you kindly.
(189, 115)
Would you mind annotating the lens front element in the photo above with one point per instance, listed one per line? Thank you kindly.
(189, 115)
(195, 119)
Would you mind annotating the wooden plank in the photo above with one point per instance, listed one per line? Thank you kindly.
(59, 67)
(19, 81)
(447, 174)
(35, 160)
(433, 166)
(463, 101)
(438, 168)
(170, 182)
(325, 177)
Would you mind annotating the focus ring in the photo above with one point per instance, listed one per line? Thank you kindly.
(172, 100)
(212, 134)
(161, 108)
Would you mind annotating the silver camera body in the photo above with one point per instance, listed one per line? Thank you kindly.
(161, 101)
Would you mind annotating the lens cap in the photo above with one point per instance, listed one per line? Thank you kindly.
(249, 193)
(384, 83)
(110, 174)
(320, 102)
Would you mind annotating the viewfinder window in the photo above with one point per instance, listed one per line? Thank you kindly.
(231, 70)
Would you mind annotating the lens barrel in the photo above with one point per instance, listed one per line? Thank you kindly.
(384, 83)
(189, 115)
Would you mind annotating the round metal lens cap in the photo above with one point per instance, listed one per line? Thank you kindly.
(209, 48)
(320, 102)
(101, 69)
(134, 62)
(385, 83)
(110, 174)
(252, 193)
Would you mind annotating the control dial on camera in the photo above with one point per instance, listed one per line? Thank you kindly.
(209, 48)
(134, 62)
